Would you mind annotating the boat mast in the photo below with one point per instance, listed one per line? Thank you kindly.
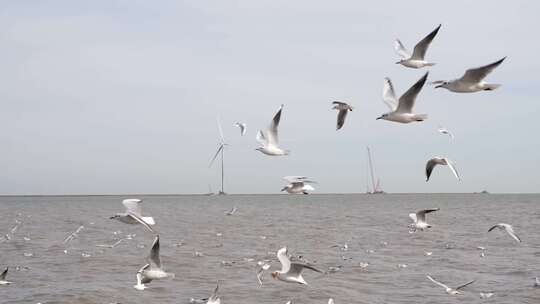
(371, 169)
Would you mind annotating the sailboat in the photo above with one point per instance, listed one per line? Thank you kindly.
(376, 187)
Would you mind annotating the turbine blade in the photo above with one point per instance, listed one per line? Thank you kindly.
(215, 156)
(220, 130)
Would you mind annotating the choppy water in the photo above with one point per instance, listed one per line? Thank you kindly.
(373, 226)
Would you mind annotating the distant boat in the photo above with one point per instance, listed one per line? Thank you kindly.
(376, 187)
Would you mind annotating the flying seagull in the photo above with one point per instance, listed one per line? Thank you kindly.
(419, 219)
(445, 131)
(290, 272)
(401, 109)
(153, 270)
(450, 291)
(343, 109)
(133, 214)
(232, 211)
(214, 299)
(298, 184)
(3, 280)
(242, 126)
(472, 80)
(269, 138)
(416, 60)
(508, 228)
(440, 161)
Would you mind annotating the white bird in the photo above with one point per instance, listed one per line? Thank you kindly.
(472, 80)
(419, 219)
(260, 272)
(401, 109)
(450, 291)
(153, 269)
(330, 301)
(242, 126)
(269, 138)
(214, 299)
(440, 161)
(3, 280)
(133, 214)
(416, 60)
(290, 272)
(73, 235)
(536, 282)
(298, 184)
(508, 228)
(343, 109)
(445, 131)
(486, 295)
(232, 211)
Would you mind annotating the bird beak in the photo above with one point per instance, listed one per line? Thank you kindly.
(380, 117)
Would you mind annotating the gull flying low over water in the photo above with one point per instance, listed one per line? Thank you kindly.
(152, 270)
(242, 126)
(419, 219)
(298, 184)
(133, 214)
(269, 138)
(508, 228)
(260, 272)
(3, 280)
(214, 299)
(472, 80)
(416, 60)
(440, 161)
(290, 272)
(401, 109)
(450, 291)
(343, 109)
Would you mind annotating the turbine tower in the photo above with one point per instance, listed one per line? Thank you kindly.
(221, 149)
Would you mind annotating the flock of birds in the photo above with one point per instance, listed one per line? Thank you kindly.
(401, 111)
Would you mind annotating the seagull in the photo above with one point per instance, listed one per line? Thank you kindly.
(536, 282)
(133, 214)
(401, 109)
(242, 126)
(73, 235)
(290, 272)
(486, 295)
(419, 219)
(214, 299)
(450, 291)
(440, 161)
(343, 109)
(298, 184)
(416, 60)
(269, 138)
(443, 130)
(232, 211)
(508, 228)
(3, 280)
(472, 80)
(260, 272)
(153, 270)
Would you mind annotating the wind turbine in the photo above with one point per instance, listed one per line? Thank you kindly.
(221, 149)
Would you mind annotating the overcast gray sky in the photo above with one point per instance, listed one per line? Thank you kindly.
(104, 97)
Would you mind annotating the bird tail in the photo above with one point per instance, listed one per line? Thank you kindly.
(430, 64)
(491, 86)
(421, 117)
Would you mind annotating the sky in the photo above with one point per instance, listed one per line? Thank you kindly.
(122, 96)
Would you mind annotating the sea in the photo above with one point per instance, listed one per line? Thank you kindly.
(360, 242)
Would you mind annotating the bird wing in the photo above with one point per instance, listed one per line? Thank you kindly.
(406, 101)
(214, 296)
(339, 103)
(243, 129)
(261, 138)
(401, 50)
(496, 226)
(510, 230)
(430, 165)
(144, 279)
(421, 215)
(141, 221)
(153, 257)
(308, 188)
(452, 168)
(284, 260)
(4, 274)
(297, 268)
(342, 114)
(436, 282)
(292, 179)
(413, 217)
(421, 47)
(464, 285)
(133, 205)
(389, 95)
(477, 74)
(272, 134)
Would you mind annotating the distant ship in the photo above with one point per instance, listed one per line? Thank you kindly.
(376, 187)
